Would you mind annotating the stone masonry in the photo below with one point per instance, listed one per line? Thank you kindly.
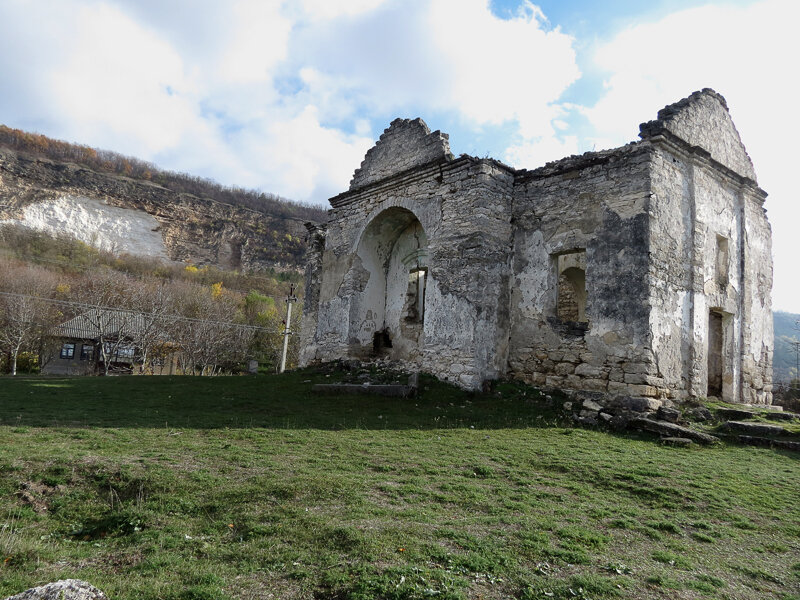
(641, 271)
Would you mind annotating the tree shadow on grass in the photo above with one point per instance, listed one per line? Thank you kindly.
(270, 401)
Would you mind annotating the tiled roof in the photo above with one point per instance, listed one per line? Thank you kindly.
(87, 326)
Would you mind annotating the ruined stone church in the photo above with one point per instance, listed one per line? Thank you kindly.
(640, 271)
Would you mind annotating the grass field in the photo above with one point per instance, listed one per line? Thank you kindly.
(201, 488)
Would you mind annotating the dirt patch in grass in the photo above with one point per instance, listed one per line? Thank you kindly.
(37, 495)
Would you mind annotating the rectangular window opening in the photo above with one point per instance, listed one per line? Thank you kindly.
(571, 286)
(87, 352)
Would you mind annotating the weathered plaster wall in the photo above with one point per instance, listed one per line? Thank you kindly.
(315, 246)
(470, 263)
(704, 204)
(597, 202)
(757, 328)
(692, 198)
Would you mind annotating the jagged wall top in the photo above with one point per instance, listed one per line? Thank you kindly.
(406, 143)
(703, 120)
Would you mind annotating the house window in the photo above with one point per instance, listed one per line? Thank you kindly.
(68, 351)
(87, 352)
(571, 302)
(123, 351)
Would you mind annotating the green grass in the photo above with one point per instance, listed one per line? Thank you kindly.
(201, 488)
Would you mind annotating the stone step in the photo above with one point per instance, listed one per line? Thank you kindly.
(735, 413)
(677, 441)
(667, 429)
(754, 428)
(768, 442)
(395, 390)
(782, 416)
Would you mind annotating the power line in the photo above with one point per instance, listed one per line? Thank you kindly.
(88, 267)
(168, 317)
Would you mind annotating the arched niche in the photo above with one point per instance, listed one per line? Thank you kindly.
(388, 310)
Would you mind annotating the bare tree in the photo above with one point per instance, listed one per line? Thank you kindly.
(113, 325)
(153, 303)
(25, 313)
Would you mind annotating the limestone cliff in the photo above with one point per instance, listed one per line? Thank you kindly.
(140, 217)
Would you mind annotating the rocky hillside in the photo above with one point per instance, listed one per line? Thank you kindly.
(140, 216)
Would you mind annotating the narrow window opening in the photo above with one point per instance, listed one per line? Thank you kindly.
(715, 354)
(415, 296)
(722, 261)
(571, 301)
(68, 351)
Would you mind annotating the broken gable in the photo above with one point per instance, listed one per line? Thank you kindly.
(405, 144)
(703, 120)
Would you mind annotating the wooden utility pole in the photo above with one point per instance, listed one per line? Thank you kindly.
(290, 299)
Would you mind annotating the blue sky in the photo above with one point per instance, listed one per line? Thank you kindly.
(287, 96)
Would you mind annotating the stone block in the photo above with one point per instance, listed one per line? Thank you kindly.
(639, 404)
(642, 390)
(755, 428)
(564, 368)
(553, 381)
(668, 414)
(594, 385)
(591, 405)
(589, 371)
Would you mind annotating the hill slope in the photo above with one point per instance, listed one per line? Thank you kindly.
(122, 204)
(787, 331)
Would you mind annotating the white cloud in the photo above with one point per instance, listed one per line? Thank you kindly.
(258, 36)
(495, 70)
(443, 55)
(299, 156)
(744, 53)
(328, 9)
(537, 152)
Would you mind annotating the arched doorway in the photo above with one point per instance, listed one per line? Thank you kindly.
(389, 310)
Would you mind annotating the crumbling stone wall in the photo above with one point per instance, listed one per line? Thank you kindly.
(596, 203)
(703, 121)
(404, 144)
(653, 241)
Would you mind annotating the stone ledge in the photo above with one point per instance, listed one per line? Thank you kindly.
(393, 390)
(754, 428)
(671, 430)
(768, 442)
